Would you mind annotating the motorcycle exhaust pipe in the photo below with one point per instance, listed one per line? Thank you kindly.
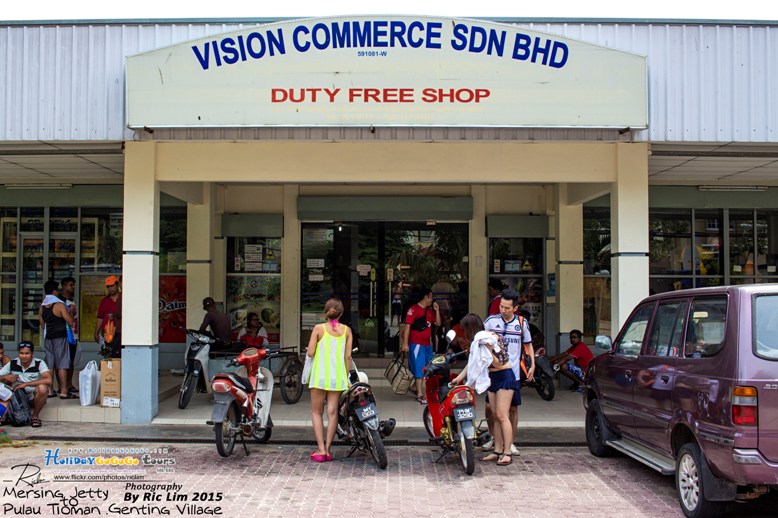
(387, 427)
(247, 429)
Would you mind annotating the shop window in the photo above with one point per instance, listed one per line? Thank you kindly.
(518, 263)
(101, 240)
(254, 283)
(172, 240)
(597, 241)
(63, 219)
(670, 243)
(9, 229)
(767, 246)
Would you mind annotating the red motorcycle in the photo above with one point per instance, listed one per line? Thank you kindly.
(449, 416)
(241, 402)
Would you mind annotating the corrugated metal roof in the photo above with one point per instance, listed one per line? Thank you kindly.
(708, 82)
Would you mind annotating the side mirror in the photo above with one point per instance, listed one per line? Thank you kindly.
(450, 335)
(603, 342)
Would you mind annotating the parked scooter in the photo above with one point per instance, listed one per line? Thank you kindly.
(196, 376)
(449, 416)
(241, 405)
(543, 381)
(358, 422)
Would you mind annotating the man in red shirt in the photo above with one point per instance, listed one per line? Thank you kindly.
(574, 361)
(108, 311)
(416, 339)
(495, 289)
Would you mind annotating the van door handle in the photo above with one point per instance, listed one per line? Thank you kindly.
(628, 374)
(665, 378)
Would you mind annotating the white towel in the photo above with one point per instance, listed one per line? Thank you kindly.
(479, 360)
(48, 300)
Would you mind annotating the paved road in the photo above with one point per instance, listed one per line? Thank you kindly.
(280, 481)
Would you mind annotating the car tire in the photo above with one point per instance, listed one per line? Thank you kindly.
(597, 432)
(689, 486)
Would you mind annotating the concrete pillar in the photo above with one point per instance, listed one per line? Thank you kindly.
(200, 233)
(569, 265)
(290, 270)
(140, 296)
(629, 232)
(478, 253)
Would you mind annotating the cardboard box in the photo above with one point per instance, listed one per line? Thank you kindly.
(110, 383)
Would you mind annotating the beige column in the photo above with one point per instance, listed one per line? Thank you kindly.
(141, 246)
(290, 270)
(200, 234)
(478, 270)
(140, 295)
(629, 232)
(569, 264)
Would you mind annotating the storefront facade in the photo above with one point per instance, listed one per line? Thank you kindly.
(361, 157)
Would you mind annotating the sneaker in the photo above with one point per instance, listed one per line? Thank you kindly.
(574, 387)
(514, 450)
(488, 445)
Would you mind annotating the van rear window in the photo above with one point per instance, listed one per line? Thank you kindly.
(766, 326)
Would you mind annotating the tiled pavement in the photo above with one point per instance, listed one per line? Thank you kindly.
(280, 481)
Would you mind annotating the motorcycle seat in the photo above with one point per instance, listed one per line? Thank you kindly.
(239, 381)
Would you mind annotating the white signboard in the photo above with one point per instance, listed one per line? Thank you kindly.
(388, 71)
(314, 263)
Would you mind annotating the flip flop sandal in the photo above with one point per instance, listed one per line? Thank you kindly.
(489, 458)
(69, 396)
(502, 456)
(73, 390)
(36, 423)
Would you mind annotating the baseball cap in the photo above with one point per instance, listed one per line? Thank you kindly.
(111, 280)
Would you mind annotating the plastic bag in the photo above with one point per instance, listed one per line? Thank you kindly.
(89, 384)
(109, 330)
(307, 369)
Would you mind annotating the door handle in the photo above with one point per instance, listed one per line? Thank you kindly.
(665, 378)
(628, 374)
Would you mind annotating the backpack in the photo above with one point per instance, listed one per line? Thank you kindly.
(20, 411)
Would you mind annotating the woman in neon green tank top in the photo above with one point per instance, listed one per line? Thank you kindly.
(330, 349)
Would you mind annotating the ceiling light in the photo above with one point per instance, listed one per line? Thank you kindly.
(732, 188)
(38, 186)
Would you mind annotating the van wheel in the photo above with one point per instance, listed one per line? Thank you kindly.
(597, 431)
(689, 484)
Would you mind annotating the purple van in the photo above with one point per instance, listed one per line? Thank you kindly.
(690, 387)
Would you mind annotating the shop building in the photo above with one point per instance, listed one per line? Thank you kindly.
(272, 164)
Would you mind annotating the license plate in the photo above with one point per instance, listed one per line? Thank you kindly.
(366, 412)
(464, 413)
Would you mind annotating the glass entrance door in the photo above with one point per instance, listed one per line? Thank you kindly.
(373, 267)
(38, 264)
(31, 286)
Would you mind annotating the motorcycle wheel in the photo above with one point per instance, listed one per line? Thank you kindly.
(292, 384)
(187, 389)
(377, 449)
(427, 417)
(263, 436)
(545, 386)
(466, 451)
(225, 432)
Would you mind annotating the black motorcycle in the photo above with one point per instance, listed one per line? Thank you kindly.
(543, 381)
(358, 422)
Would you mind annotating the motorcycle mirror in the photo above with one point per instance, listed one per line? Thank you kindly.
(451, 335)
(354, 349)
